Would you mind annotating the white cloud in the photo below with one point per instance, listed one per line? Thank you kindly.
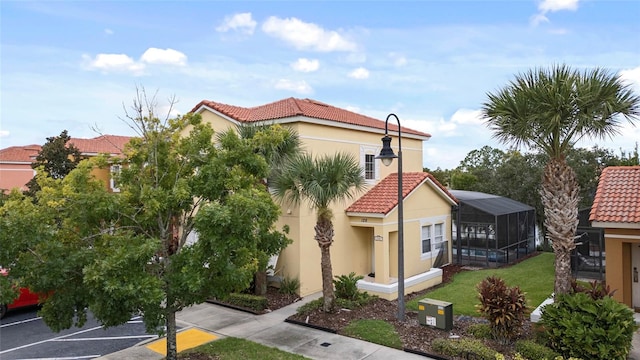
(359, 73)
(113, 62)
(546, 6)
(242, 22)
(4, 133)
(164, 56)
(306, 36)
(306, 65)
(300, 87)
(557, 5)
(467, 117)
(108, 32)
(631, 77)
(537, 19)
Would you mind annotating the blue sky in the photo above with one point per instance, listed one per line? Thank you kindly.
(76, 65)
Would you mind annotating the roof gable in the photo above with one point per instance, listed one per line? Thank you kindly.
(617, 196)
(383, 197)
(22, 154)
(292, 107)
(104, 144)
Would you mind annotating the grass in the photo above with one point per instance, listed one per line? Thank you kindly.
(239, 349)
(375, 331)
(534, 276)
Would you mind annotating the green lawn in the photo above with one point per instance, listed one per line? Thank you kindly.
(237, 349)
(535, 276)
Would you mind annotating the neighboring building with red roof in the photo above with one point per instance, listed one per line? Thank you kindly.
(616, 208)
(15, 161)
(366, 231)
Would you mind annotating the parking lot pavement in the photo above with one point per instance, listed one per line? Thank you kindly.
(25, 336)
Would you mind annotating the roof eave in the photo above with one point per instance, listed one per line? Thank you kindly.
(617, 225)
(365, 214)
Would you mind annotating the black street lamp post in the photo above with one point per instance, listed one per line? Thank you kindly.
(387, 156)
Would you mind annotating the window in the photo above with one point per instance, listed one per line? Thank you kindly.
(439, 234)
(115, 172)
(369, 167)
(426, 239)
(368, 163)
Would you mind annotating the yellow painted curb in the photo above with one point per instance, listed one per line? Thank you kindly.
(186, 340)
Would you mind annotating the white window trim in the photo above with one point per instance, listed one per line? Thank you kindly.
(370, 150)
(432, 222)
(112, 184)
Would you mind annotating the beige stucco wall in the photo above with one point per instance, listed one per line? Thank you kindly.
(353, 247)
(618, 243)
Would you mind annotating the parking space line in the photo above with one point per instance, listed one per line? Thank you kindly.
(20, 322)
(67, 358)
(48, 340)
(109, 338)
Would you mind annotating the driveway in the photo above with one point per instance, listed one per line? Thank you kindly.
(25, 336)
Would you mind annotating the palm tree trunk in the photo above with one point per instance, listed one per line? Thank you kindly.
(324, 237)
(560, 198)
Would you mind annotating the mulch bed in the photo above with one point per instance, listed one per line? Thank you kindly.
(415, 337)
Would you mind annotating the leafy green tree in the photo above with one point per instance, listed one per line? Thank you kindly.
(549, 110)
(322, 181)
(121, 254)
(276, 144)
(629, 158)
(56, 158)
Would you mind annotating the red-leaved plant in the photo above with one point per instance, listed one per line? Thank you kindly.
(504, 307)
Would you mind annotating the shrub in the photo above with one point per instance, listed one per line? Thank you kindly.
(346, 286)
(253, 302)
(595, 289)
(480, 331)
(465, 348)
(362, 300)
(532, 350)
(310, 306)
(505, 308)
(290, 286)
(579, 326)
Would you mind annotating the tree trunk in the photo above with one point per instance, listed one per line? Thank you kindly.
(172, 342)
(324, 236)
(260, 282)
(560, 197)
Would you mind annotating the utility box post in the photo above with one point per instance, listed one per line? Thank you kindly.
(435, 313)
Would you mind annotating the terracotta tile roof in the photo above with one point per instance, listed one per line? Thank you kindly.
(617, 196)
(109, 144)
(383, 197)
(104, 144)
(292, 107)
(19, 153)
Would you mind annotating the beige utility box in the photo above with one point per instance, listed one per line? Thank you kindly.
(435, 313)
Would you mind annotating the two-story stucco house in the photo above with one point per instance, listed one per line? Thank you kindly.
(366, 230)
(15, 161)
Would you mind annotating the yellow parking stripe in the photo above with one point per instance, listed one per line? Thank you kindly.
(186, 340)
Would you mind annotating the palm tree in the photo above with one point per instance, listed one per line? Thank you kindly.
(321, 181)
(549, 110)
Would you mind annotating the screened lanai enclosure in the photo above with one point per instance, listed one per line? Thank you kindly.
(490, 230)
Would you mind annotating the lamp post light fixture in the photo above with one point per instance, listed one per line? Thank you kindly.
(387, 156)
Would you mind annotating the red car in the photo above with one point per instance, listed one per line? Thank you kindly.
(26, 298)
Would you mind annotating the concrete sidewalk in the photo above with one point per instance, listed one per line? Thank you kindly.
(271, 330)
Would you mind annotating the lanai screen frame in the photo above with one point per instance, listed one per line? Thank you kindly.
(491, 231)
